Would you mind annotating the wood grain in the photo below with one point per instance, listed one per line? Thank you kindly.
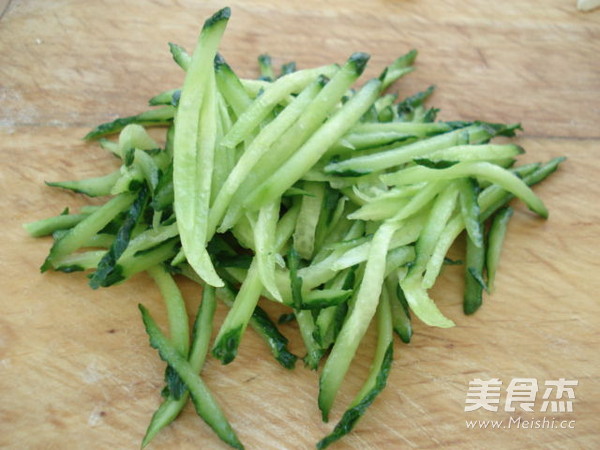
(76, 371)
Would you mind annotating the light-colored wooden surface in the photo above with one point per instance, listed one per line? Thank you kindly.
(76, 371)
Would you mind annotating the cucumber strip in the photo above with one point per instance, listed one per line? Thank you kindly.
(231, 87)
(495, 240)
(329, 323)
(361, 141)
(325, 322)
(360, 253)
(419, 114)
(340, 236)
(398, 259)
(183, 60)
(149, 238)
(490, 200)
(260, 321)
(343, 258)
(306, 325)
(493, 198)
(100, 241)
(293, 169)
(265, 66)
(384, 102)
(306, 225)
(162, 198)
(306, 123)
(324, 298)
(411, 108)
(128, 266)
(264, 104)
(356, 324)
(176, 312)
(399, 309)
(331, 218)
(420, 130)
(473, 134)
(92, 187)
(349, 235)
(401, 66)
(441, 211)
(421, 304)
(46, 227)
(285, 228)
(224, 159)
(244, 233)
(481, 152)
(77, 262)
(392, 192)
(194, 151)
(287, 68)
(198, 236)
(134, 136)
(205, 404)
(131, 180)
(295, 281)
(304, 318)
(168, 97)
(419, 201)
(147, 167)
(320, 273)
(265, 250)
(169, 145)
(324, 103)
(375, 383)
(109, 145)
(255, 88)
(266, 329)
(474, 282)
(88, 209)
(180, 56)
(154, 117)
(257, 148)
(435, 263)
(89, 226)
(202, 329)
(106, 267)
(380, 209)
(488, 171)
(469, 208)
(235, 323)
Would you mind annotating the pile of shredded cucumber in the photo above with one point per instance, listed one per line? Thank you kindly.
(301, 188)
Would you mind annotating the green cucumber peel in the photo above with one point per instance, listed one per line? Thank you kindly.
(376, 382)
(474, 282)
(103, 273)
(469, 207)
(86, 228)
(204, 402)
(92, 187)
(496, 236)
(356, 324)
(154, 117)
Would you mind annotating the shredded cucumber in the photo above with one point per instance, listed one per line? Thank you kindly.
(305, 187)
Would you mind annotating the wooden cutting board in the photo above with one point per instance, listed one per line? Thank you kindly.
(76, 370)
